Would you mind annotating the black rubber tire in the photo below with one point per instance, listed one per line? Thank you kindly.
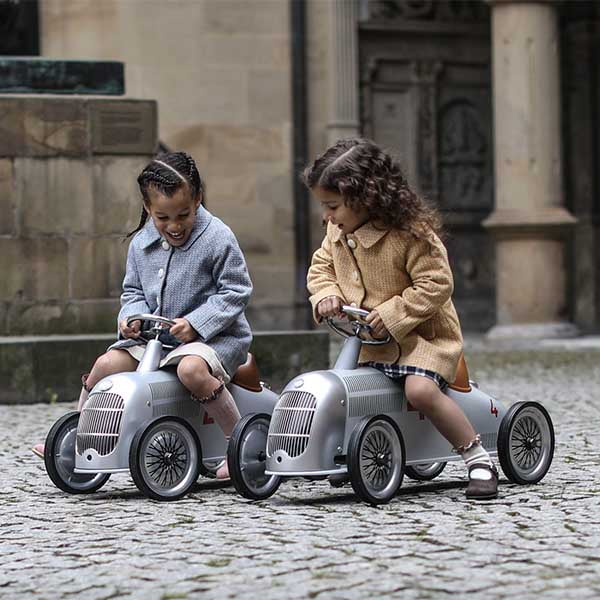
(59, 459)
(422, 475)
(241, 449)
(182, 438)
(527, 459)
(362, 433)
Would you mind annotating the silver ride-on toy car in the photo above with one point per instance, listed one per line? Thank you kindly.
(146, 423)
(356, 421)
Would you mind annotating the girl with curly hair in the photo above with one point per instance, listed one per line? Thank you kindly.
(383, 252)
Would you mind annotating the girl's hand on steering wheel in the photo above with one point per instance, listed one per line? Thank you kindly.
(130, 331)
(378, 329)
(183, 331)
(331, 307)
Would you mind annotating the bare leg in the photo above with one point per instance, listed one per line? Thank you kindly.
(114, 361)
(448, 418)
(195, 374)
(451, 422)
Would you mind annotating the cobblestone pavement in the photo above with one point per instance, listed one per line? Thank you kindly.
(312, 541)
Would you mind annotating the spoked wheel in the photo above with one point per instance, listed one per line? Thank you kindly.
(59, 458)
(164, 459)
(425, 471)
(526, 442)
(246, 458)
(376, 459)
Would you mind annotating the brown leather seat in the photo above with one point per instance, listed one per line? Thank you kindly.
(461, 383)
(247, 375)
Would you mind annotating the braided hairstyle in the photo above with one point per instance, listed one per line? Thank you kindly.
(366, 176)
(167, 173)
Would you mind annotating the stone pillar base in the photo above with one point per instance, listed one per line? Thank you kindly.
(533, 331)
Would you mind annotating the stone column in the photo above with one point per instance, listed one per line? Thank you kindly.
(529, 223)
(343, 69)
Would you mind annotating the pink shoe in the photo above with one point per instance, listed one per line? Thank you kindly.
(38, 450)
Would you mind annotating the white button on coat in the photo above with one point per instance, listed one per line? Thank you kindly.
(165, 245)
(161, 272)
(352, 243)
(355, 275)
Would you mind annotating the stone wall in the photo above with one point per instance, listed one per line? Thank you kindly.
(68, 194)
(220, 72)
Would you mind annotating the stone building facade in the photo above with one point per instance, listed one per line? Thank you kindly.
(491, 107)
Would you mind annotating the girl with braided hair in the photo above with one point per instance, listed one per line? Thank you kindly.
(383, 252)
(186, 265)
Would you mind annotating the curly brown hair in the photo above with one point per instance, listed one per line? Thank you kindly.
(364, 175)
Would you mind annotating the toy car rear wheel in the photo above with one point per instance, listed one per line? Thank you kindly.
(164, 458)
(425, 471)
(59, 459)
(376, 459)
(247, 455)
(526, 442)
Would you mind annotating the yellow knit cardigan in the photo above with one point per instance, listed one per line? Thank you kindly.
(407, 279)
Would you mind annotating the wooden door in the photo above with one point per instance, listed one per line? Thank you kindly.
(426, 96)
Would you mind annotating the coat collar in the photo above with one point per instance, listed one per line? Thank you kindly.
(367, 235)
(149, 235)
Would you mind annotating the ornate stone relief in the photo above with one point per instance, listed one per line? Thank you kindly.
(463, 156)
(429, 10)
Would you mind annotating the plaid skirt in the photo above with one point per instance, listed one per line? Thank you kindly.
(398, 372)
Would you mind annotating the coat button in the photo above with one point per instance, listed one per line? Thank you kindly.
(165, 245)
(355, 275)
(161, 272)
(352, 243)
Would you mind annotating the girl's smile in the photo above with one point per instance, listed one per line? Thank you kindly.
(338, 212)
(173, 216)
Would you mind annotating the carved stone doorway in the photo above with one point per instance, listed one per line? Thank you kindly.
(426, 95)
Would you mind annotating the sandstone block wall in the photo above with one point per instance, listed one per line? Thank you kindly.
(68, 192)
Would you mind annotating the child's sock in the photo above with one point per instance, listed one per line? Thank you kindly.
(474, 453)
(224, 411)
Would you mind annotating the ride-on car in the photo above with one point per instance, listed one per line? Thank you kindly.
(355, 420)
(146, 423)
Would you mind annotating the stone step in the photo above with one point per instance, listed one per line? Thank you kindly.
(48, 368)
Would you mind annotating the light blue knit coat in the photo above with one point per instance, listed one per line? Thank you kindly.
(204, 281)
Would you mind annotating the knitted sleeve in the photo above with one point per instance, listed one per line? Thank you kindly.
(133, 300)
(432, 286)
(233, 288)
(321, 279)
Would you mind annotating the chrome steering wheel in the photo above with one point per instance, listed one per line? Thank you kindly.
(160, 324)
(358, 324)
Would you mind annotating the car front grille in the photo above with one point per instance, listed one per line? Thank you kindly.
(100, 424)
(291, 423)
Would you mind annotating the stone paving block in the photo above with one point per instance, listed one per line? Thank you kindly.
(310, 540)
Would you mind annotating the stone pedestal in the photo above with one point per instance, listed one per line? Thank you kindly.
(68, 195)
(530, 223)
